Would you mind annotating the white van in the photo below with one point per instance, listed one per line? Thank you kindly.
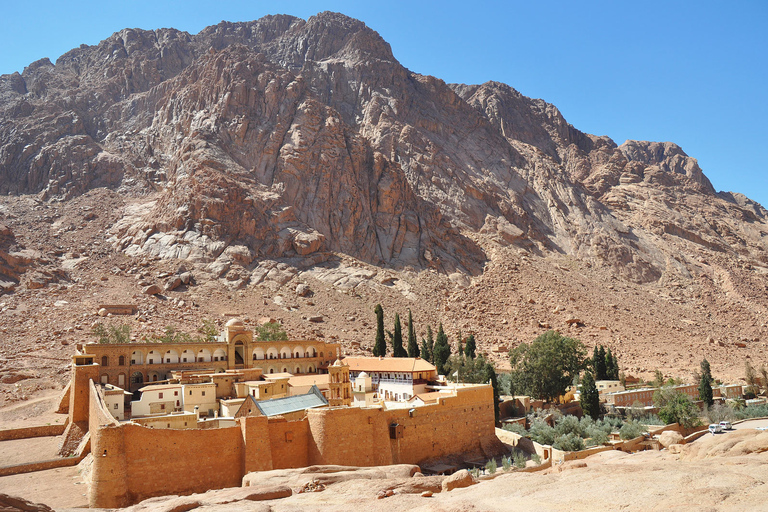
(726, 425)
(716, 428)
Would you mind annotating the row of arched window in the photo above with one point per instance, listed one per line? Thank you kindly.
(171, 356)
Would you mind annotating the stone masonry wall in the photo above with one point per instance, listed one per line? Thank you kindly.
(132, 462)
(288, 441)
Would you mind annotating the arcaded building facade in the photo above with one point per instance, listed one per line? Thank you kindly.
(132, 365)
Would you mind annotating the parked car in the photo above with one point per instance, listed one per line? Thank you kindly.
(726, 425)
(716, 428)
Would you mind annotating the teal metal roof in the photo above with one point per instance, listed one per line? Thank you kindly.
(277, 406)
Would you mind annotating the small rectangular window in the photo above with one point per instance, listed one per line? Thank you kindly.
(203, 393)
(162, 407)
(115, 406)
(160, 395)
(175, 393)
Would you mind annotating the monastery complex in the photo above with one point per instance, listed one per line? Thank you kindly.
(200, 416)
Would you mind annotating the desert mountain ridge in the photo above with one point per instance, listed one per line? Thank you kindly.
(263, 155)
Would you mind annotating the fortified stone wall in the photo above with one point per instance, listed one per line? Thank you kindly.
(457, 424)
(132, 462)
(349, 437)
(289, 441)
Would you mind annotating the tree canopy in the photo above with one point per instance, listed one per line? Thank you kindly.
(471, 347)
(441, 351)
(590, 397)
(676, 407)
(397, 339)
(271, 331)
(380, 345)
(413, 346)
(546, 367)
(705, 384)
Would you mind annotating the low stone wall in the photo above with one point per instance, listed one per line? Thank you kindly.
(31, 467)
(677, 428)
(631, 445)
(28, 432)
(560, 456)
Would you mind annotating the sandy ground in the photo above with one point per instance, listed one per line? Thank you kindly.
(58, 488)
(35, 449)
(38, 411)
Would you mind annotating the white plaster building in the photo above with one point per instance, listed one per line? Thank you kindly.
(394, 378)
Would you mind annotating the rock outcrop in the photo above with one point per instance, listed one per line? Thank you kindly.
(300, 138)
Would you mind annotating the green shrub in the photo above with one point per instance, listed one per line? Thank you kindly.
(541, 432)
(597, 436)
(271, 331)
(519, 460)
(111, 334)
(490, 466)
(516, 428)
(631, 430)
(569, 443)
(751, 411)
(535, 458)
(506, 463)
(568, 425)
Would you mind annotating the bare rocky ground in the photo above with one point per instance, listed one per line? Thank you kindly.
(518, 297)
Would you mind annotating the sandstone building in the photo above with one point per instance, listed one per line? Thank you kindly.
(257, 435)
(132, 365)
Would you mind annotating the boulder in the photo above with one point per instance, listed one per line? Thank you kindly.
(459, 479)
(302, 290)
(103, 312)
(670, 437)
(152, 289)
(173, 283)
(186, 277)
(307, 243)
(316, 318)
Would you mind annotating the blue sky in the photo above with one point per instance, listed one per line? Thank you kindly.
(694, 73)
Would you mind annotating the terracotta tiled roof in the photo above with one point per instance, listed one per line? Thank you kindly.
(307, 380)
(430, 397)
(388, 364)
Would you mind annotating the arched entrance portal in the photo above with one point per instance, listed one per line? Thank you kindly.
(239, 354)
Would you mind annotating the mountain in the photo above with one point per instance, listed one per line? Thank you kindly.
(264, 153)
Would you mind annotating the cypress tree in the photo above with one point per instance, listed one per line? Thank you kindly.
(442, 350)
(705, 384)
(460, 347)
(593, 361)
(599, 363)
(613, 370)
(397, 339)
(424, 349)
(413, 345)
(590, 398)
(469, 349)
(429, 355)
(380, 346)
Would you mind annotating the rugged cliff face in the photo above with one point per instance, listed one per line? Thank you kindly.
(306, 142)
